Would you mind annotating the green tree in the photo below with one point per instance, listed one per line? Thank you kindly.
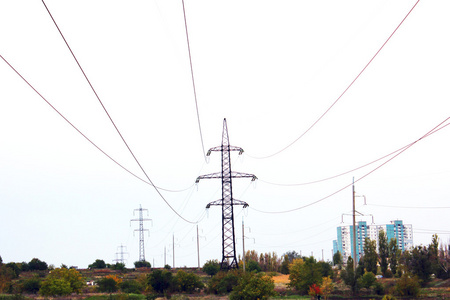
(337, 259)
(325, 269)
(408, 285)
(131, 287)
(160, 280)
(57, 281)
(187, 282)
(367, 280)
(211, 267)
(223, 282)
(284, 269)
(419, 264)
(394, 255)
(32, 285)
(142, 264)
(291, 255)
(253, 286)
(303, 273)
(118, 266)
(37, 265)
(370, 256)
(98, 264)
(383, 248)
(107, 285)
(349, 275)
(253, 266)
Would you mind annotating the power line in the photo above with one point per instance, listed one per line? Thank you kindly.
(117, 129)
(411, 207)
(193, 81)
(434, 130)
(93, 144)
(343, 93)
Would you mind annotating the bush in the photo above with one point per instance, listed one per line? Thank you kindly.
(211, 267)
(367, 280)
(187, 282)
(407, 286)
(253, 266)
(98, 264)
(378, 288)
(223, 282)
(131, 287)
(60, 282)
(32, 285)
(55, 287)
(253, 286)
(160, 280)
(142, 264)
(107, 285)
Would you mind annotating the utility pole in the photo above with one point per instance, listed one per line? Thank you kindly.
(173, 248)
(243, 244)
(227, 202)
(141, 231)
(354, 228)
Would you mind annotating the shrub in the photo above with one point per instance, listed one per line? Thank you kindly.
(253, 286)
(367, 280)
(60, 282)
(55, 287)
(107, 285)
(187, 282)
(160, 280)
(142, 264)
(253, 266)
(97, 264)
(407, 286)
(32, 285)
(223, 282)
(211, 267)
(131, 287)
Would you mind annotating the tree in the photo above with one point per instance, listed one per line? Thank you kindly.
(32, 285)
(394, 255)
(367, 280)
(62, 282)
(187, 282)
(37, 265)
(223, 282)
(284, 269)
(142, 264)
(370, 255)
(349, 275)
(418, 263)
(326, 287)
(131, 287)
(98, 264)
(304, 273)
(118, 266)
(253, 286)
(292, 255)
(383, 249)
(211, 267)
(337, 259)
(253, 266)
(160, 280)
(107, 285)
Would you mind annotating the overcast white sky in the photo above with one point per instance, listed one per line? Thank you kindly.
(271, 68)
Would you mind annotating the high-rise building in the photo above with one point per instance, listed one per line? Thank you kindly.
(344, 243)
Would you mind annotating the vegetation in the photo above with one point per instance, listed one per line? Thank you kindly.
(211, 267)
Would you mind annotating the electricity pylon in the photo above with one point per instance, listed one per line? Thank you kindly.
(121, 253)
(227, 202)
(141, 231)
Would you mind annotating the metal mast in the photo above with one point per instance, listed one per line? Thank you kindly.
(227, 202)
(141, 231)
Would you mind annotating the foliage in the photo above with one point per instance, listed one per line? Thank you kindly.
(349, 275)
(62, 282)
(253, 286)
(326, 287)
(337, 259)
(418, 263)
(284, 269)
(370, 258)
(408, 286)
(304, 273)
(118, 266)
(211, 267)
(314, 290)
(98, 264)
(37, 265)
(292, 255)
(383, 249)
(160, 280)
(131, 287)
(394, 255)
(223, 282)
(325, 269)
(367, 280)
(31, 285)
(253, 266)
(187, 282)
(107, 285)
(142, 264)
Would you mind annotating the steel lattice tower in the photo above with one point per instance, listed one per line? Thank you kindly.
(227, 202)
(141, 231)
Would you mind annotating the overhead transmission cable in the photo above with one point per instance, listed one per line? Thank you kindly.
(343, 93)
(434, 130)
(193, 81)
(338, 175)
(117, 129)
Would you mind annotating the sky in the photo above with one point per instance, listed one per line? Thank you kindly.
(272, 69)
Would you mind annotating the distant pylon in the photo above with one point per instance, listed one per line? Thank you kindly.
(227, 202)
(141, 231)
(120, 254)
